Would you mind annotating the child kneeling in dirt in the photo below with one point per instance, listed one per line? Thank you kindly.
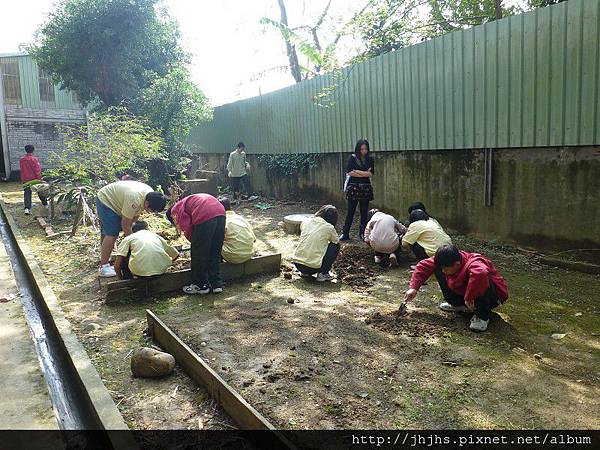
(238, 245)
(383, 235)
(319, 244)
(472, 280)
(202, 219)
(143, 254)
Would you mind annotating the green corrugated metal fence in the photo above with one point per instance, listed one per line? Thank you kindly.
(530, 80)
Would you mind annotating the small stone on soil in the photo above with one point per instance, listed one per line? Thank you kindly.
(450, 363)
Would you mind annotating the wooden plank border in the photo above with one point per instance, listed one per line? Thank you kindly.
(230, 400)
(116, 290)
(578, 266)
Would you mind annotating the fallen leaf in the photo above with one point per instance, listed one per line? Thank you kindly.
(363, 394)
(558, 336)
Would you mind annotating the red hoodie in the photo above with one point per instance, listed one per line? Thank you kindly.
(195, 209)
(30, 168)
(471, 280)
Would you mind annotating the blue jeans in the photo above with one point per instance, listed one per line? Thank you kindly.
(110, 221)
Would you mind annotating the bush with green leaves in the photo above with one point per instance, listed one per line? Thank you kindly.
(277, 165)
(109, 144)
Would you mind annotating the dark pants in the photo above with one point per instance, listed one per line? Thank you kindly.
(125, 272)
(207, 243)
(364, 211)
(421, 254)
(330, 255)
(385, 257)
(241, 184)
(483, 305)
(27, 198)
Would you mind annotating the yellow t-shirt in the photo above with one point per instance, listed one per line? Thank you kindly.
(150, 254)
(238, 246)
(126, 198)
(428, 234)
(315, 236)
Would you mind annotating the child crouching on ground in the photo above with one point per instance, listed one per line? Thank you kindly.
(238, 244)
(143, 254)
(472, 281)
(383, 235)
(319, 244)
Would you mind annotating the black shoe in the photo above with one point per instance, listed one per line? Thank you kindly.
(344, 237)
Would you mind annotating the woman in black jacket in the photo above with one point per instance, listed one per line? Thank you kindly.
(359, 170)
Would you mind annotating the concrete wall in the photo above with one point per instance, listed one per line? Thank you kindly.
(36, 126)
(541, 197)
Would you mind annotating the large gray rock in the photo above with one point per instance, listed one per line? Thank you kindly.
(150, 363)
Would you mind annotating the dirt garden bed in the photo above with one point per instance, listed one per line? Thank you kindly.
(336, 355)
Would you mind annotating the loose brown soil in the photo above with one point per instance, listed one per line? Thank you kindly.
(336, 355)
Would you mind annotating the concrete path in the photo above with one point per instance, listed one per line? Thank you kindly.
(24, 402)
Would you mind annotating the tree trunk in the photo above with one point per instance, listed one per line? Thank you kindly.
(290, 49)
(498, 9)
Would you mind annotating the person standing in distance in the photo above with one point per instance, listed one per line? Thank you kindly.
(237, 170)
(359, 170)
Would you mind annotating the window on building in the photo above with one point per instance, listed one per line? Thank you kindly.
(46, 87)
(11, 82)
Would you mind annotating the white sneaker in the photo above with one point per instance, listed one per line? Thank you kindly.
(195, 289)
(107, 271)
(27, 211)
(393, 260)
(445, 306)
(478, 324)
(324, 277)
(217, 290)
(377, 259)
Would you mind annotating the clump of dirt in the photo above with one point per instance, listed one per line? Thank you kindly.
(181, 263)
(412, 324)
(355, 267)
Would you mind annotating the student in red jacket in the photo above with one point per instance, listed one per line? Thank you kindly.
(201, 218)
(31, 174)
(473, 282)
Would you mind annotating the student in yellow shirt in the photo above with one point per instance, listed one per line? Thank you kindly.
(424, 236)
(143, 254)
(319, 244)
(119, 205)
(238, 245)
